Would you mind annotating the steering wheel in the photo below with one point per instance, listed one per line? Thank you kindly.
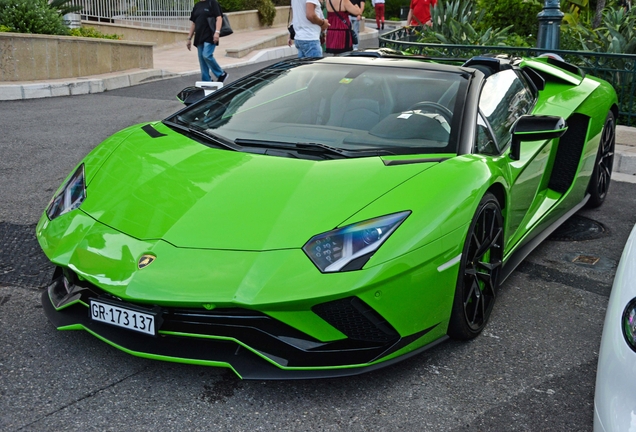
(445, 112)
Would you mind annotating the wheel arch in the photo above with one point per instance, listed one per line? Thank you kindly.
(498, 190)
(614, 109)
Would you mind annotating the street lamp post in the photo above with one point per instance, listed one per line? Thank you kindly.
(550, 18)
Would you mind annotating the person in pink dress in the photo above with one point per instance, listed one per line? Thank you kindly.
(339, 32)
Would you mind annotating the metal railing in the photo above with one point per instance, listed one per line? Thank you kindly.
(156, 14)
(617, 69)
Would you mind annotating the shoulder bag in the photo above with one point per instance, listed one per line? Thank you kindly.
(290, 27)
(354, 36)
(226, 30)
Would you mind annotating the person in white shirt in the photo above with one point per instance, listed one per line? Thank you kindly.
(308, 22)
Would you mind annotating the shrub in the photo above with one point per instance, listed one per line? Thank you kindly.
(369, 10)
(520, 14)
(31, 16)
(233, 5)
(453, 23)
(616, 34)
(4, 28)
(392, 7)
(266, 11)
(91, 32)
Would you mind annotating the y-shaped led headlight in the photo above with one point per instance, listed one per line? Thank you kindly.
(350, 247)
(70, 196)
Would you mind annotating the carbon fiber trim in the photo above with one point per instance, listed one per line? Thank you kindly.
(222, 336)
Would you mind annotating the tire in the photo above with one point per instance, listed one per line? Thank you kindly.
(479, 270)
(601, 176)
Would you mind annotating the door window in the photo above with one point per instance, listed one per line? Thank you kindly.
(505, 97)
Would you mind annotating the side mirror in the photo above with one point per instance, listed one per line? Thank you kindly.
(535, 128)
(201, 89)
(190, 95)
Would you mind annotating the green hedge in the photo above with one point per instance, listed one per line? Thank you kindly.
(521, 14)
(31, 16)
(92, 33)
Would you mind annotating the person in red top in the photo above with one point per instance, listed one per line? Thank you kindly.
(420, 12)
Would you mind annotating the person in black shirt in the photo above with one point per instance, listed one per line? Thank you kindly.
(355, 20)
(204, 39)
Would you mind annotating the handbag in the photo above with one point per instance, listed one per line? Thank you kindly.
(290, 27)
(353, 35)
(226, 30)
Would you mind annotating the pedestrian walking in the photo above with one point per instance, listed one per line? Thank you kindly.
(308, 22)
(420, 12)
(205, 39)
(355, 20)
(378, 5)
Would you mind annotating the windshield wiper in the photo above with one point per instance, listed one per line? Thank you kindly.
(311, 147)
(205, 134)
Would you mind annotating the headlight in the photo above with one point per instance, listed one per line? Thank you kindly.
(350, 247)
(629, 324)
(70, 196)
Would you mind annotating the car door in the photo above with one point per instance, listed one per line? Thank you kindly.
(505, 97)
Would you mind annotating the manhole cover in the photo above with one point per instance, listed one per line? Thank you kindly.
(579, 228)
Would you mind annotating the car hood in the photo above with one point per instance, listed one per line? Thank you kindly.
(173, 188)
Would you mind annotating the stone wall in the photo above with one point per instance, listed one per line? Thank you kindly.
(140, 34)
(29, 57)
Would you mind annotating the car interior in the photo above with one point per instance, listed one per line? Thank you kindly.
(365, 108)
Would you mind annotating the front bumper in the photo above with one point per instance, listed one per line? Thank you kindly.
(254, 345)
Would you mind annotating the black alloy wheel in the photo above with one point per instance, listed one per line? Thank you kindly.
(479, 271)
(601, 176)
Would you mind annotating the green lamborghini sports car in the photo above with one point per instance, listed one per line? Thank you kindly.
(325, 217)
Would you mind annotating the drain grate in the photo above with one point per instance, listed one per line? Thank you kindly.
(22, 262)
(586, 259)
(579, 228)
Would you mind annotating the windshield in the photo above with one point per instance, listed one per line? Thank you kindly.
(351, 110)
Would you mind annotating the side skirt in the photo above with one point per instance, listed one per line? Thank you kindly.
(520, 254)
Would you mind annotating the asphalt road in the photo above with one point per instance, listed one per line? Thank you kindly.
(533, 369)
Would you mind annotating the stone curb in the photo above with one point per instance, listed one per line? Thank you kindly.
(625, 152)
(80, 86)
(625, 160)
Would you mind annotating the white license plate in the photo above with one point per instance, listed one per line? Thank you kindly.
(122, 317)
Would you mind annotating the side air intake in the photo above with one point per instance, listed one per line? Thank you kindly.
(569, 152)
(356, 320)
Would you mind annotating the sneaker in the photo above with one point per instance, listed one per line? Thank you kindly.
(222, 77)
(382, 26)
